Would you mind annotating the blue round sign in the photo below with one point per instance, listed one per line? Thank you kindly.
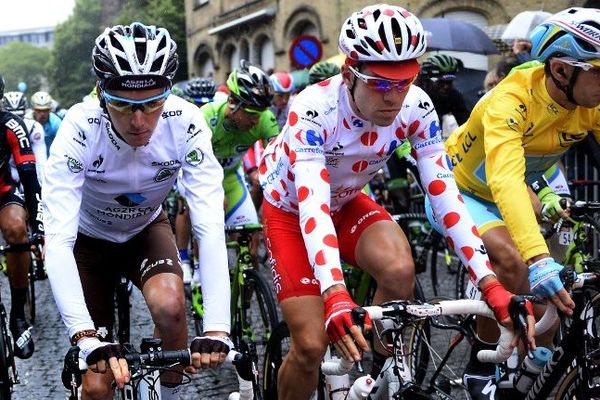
(305, 51)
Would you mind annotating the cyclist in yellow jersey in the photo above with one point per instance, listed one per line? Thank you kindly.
(515, 133)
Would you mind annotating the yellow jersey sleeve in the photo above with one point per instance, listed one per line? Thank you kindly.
(514, 134)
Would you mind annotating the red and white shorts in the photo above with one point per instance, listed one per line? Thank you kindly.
(291, 272)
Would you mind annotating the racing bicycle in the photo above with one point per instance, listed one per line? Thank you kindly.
(147, 366)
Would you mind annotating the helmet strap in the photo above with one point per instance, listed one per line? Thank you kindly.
(352, 88)
(568, 88)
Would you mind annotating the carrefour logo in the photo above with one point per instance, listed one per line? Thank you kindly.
(313, 138)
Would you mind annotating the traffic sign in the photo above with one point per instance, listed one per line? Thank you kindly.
(305, 51)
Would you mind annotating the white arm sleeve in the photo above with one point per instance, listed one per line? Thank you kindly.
(61, 194)
(203, 183)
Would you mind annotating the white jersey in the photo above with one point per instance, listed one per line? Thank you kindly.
(326, 154)
(96, 184)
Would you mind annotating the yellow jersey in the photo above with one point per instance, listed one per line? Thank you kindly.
(514, 134)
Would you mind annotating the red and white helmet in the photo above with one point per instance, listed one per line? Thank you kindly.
(382, 33)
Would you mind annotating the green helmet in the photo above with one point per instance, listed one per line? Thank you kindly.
(177, 91)
(440, 65)
(250, 86)
(321, 71)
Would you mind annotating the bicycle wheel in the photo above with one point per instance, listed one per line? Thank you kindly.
(428, 344)
(571, 386)
(417, 337)
(276, 348)
(462, 279)
(6, 357)
(255, 316)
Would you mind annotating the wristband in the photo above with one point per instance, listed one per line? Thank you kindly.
(87, 333)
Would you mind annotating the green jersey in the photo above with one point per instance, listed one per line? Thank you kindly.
(229, 143)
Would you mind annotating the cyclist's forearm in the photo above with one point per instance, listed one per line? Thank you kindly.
(214, 276)
(66, 284)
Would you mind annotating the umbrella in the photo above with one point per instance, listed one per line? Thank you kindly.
(455, 35)
(523, 23)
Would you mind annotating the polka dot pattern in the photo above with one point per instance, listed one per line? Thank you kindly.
(451, 219)
(303, 193)
(275, 195)
(368, 138)
(320, 258)
(360, 166)
(355, 148)
(337, 275)
(331, 241)
(310, 225)
(468, 252)
(324, 175)
(292, 118)
(413, 127)
(400, 134)
(437, 187)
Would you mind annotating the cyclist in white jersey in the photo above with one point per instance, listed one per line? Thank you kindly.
(339, 133)
(110, 167)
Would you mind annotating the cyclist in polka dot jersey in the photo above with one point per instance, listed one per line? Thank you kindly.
(339, 133)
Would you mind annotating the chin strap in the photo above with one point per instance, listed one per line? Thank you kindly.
(568, 88)
(352, 96)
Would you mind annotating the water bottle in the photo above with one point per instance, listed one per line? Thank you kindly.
(361, 388)
(337, 386)
(530, 369)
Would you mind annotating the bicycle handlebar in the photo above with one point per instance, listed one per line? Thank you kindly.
(74, 367)
(399, 309)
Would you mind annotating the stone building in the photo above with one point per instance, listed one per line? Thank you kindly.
(220, 32)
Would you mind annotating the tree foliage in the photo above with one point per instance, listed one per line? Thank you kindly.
(70, 73)
(24, 62)
(162, 13)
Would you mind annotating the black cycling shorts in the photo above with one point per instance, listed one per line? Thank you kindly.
(101, 264)
(12, 196)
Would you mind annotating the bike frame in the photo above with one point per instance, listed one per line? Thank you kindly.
(569, 352)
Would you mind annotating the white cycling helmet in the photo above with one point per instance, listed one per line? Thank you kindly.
(41, 101)
(384, 34)
(135, 57)
(15, 102)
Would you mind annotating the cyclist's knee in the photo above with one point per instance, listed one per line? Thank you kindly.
(509, 267)
(396, 278)
(169, 310)
(309, 350)
(16, 232)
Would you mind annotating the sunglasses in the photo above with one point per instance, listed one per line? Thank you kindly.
(383, 85)
(129, 106)
(586, 66)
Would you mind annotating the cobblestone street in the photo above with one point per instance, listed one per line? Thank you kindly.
(40, 375)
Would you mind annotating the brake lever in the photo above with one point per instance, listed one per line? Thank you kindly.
(359, 315)
(518, 314)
